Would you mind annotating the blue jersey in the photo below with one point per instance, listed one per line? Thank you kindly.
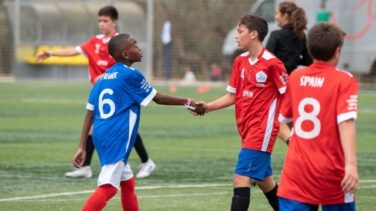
(115, 100)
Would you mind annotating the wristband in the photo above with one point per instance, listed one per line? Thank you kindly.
(188, 104)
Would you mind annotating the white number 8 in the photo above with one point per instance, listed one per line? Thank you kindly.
(107, 101)
(311, 116)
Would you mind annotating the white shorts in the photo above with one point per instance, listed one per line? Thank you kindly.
(113, 174)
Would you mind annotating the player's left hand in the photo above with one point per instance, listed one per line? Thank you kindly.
(351, 179)
(79, 158)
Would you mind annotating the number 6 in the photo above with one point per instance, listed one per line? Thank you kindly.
(103, 102)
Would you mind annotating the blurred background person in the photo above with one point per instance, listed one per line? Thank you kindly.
(167, 49)
(289, 42)
(215, 72)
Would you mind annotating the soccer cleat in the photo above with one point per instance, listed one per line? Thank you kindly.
(84, 172)
(146, 169)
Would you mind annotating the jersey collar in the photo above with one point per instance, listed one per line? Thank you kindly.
(252, 62)
(321, 65)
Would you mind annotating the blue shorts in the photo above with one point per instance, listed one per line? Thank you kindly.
(292, 205)
(253, 164)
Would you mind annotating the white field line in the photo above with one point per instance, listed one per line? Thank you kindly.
(138, 196)
(90, 191)
(146, 188)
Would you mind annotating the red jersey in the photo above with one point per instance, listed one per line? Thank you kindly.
(318, 98)
(258, 87)
(95, 49)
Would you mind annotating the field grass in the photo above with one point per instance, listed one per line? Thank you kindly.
(40, 125)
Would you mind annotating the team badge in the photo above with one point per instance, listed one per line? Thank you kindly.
(261, 77)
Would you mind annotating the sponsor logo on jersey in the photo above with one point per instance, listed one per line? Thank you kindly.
(261, 77)
(102, 63)
(247, 93)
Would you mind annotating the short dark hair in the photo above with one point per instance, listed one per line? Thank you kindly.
(255, 23)
(109, 11)
(323, 40)
(116, 44)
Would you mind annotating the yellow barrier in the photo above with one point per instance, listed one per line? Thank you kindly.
(56, 60)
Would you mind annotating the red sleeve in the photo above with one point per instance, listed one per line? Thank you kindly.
(87, 46)
(347, 101)
(279, 76)
(285, 115)
(231, 87)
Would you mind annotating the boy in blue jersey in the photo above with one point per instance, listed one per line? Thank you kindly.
(114, 110)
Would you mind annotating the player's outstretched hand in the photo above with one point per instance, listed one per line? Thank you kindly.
(351, 179)
(42, 56)
(79, 158)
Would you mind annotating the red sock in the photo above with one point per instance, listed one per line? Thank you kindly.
(99, 198)
(128, 195)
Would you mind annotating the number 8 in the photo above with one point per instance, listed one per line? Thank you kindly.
(311, 116)
(103, 102)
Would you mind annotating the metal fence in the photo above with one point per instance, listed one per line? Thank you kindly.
(198, 32)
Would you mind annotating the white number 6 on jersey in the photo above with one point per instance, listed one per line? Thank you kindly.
(107, 101)
(308, 116)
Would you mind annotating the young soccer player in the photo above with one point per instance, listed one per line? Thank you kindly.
(95, 49)
(257, 82)
(114, 110)
(320, 167)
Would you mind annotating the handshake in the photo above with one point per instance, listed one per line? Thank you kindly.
(197, 108)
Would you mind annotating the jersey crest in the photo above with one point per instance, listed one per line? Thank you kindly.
(261, 77)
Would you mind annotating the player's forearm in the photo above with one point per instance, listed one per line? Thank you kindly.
(223, 102)
(86, 129)
(63, 52)
(347, 133)
(284, 132)
(168, 100)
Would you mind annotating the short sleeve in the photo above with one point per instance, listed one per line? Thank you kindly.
(92, 97)
(84, 48)
(347, 102)
(279, 76)
(140, 90)
(285, 115)
(231, 87)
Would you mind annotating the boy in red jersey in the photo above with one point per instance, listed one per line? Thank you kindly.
(258, 81)
(321, 102)
(95, 49)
